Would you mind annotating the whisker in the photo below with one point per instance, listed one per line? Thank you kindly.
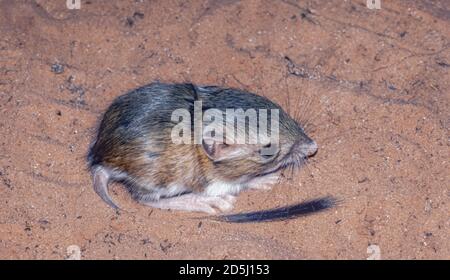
(288, 97)
(307, 166)
(307, 116)
(312, 117)
(303, 110)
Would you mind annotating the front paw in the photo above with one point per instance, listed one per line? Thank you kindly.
(264, 183)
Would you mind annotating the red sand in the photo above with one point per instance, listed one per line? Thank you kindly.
(378, 86)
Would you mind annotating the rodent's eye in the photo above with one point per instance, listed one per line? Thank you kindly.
(268, 151)
(267, 156)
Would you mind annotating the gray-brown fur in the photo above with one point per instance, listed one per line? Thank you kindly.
(134, 146)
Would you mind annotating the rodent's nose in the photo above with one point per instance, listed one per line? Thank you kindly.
(311, 148)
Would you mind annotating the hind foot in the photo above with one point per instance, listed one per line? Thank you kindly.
(195, 203)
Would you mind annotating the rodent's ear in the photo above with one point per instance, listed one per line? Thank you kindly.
(217, 151)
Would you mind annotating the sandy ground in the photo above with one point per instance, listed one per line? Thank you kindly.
(374, 84)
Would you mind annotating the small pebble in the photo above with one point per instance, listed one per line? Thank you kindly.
(57, 68)
(73, 252)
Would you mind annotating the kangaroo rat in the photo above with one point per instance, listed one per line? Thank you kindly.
(134, 145)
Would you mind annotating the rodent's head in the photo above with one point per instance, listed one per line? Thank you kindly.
(243, 162)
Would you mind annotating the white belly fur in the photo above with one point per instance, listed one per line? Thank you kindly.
(221, 188)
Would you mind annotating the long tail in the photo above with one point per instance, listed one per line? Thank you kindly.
(282, 213)
(101, 179)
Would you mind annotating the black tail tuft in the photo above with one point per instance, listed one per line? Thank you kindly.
(282, 213)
